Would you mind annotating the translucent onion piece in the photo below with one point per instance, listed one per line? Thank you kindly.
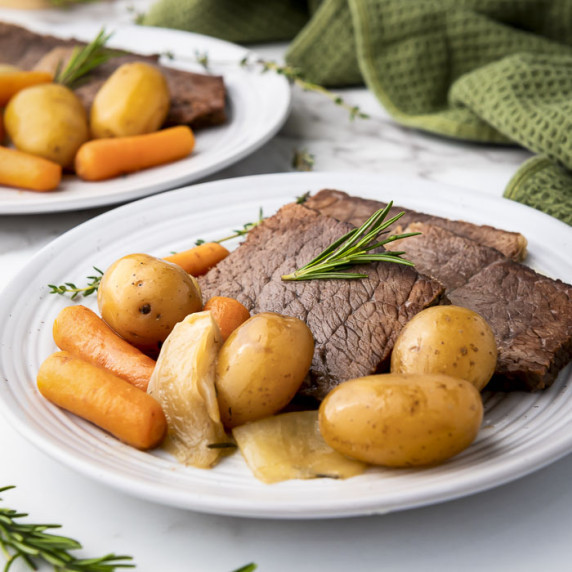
(183, 383)
(290, 446)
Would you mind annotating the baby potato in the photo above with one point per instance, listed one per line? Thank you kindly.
(142, 298)
(134, 100)
(401, 420)
(261, 366)
(47, 120)
(447, 339)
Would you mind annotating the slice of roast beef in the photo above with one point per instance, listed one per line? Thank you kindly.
(356, 210)
(354, 322)
(448, 257)
(197, 100)
(530, 314)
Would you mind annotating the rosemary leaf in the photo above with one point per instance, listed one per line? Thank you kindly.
(354, 248)
(84, 60)
(33, 545)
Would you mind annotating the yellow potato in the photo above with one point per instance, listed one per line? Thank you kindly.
(401, 420)
(450, 340)
(47, 120)
(261, 366)
(142, 298)
(133, 101)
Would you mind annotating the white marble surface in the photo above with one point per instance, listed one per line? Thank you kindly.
(520, 526)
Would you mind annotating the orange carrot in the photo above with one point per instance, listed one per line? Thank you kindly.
(106, 400)
(12, 82)
(102, 159)
(200, 259)
(228, 314)
(26, 171)
(84, 334)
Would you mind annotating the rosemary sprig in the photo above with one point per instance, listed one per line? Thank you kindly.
(354, 248)
(30, 543)
(71, 288)
(84, 60)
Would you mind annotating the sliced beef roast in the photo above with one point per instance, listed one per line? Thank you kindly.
(356, 210)
(196, 99)
(354, 322)
(530, 314)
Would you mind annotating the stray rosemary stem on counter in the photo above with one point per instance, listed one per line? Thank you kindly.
(31, 544)
(354, 247)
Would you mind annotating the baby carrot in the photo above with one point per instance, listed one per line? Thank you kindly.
(106, 400)
(102, 159)
(228, 314)
(26, 171)
(11, 82)
(82, 333)
(200, 259)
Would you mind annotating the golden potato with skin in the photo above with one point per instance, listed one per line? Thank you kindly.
(142, 298)
(401, 420)
(261, 366)
(47, 120)
(134, 100)
(447, 339)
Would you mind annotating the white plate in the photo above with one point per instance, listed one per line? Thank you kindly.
(258, 105)
(520, 433)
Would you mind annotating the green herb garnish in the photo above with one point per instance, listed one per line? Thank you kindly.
(31, 544)
(84, 60)
(247, 568)
(246, 228)
(71, 288)
(354, 248)
(302, 160)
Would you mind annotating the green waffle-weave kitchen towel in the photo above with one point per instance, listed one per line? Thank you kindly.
(495, 71)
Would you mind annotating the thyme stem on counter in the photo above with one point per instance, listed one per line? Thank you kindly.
(355, 247)
(292, 74)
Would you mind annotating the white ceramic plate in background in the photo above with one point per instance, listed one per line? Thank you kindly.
(521, 432)
(258, 105)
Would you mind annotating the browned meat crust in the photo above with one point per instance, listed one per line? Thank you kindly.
(354, 323)
(356, 210)
(196, 100)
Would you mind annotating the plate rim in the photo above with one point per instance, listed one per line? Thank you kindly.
(517, 468)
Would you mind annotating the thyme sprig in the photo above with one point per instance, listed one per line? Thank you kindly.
(84, 60)
(295, 77)
(292, 74)
(31, 544)
(355, 247)
(71, 288)
(246, 228)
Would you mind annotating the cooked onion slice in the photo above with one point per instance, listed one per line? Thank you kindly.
(183, 383)
(290, 446)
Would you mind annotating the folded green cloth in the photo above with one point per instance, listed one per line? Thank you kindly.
(479, 70)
